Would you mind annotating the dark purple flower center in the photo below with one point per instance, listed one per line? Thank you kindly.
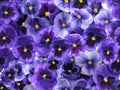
(53, 64)
(10, 74)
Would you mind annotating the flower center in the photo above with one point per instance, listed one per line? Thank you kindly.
(78, 16)
(18, 84)
(25, 50)
(81, 1)
(47, 13)
(30, 8)
(72, 59)
(106, 21)
(37, 26)
(47, 40)
(53, 62)
(63, 24)
(44, 59)
(93, 38)
(69, 71)
(118, 60)
(66, 1)
(44, 76)
(1, 88)
(95, 10)
(59, 49)
(74, 45)
(108, 52)
(23, 23)
(90, 62)
(9, 75)
(3, 38)
(105, 80)
(6, 12)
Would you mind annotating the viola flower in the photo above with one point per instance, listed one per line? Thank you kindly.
(7, 36)
(80, 3)
(103, 79)
(44, 41)
(93, 35)
(64, 5)
(43, 77)
(24, 49)
(108, 51)
(62, 22)
(104, 17)
(75, 42)
(8, 12)
(35, 25)
(117, 35)
(89, 61)
(31, 7)
(60, 47)
(112, 28)
(5, 57)
(70, 70)
(53, 63)
(79, 16)
(63, 84)
(8, 76)
(95, 7)
(81, 85)
(3, 86)
(49, 11)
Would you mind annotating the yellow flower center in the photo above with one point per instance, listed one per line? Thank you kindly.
(30, 8)
(63, 24)
(9, 75)
(44, 58)
(37, 26)
(78, 16)
(53, 62)
(74, 45)
(95, 10)
(105, 80)
(6, 12)
(3, 38)
(47, 40)
(118, 60)
(66, 1)
(90, 62)
(47, 13)
(2, 88)
(23, 23)
(93, 38)
(108, 52)
(59, 49)
(18, 84)
(25, 50)
(81, 1)
(106, 21)
(69, 71)
(44, 75)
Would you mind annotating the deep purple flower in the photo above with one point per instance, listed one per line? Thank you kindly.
(70, 70)
(49, 11)
(8, 76)
(75, 42)
(93, 35)
(60, 47)
(24, 49)
(89, 62)
(44, 41)
(5, 57)
(3, 86)
(44, 79)
(103, 79)
(31, 7)
(117, 35)
(108, 51)
(35, 25)
(7, 36)
(80, 3)
(8, 12)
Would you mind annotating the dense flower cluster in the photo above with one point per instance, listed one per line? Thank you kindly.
(59, 45)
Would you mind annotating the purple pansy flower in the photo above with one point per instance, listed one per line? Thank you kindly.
(103, 79)
(24, 49)
(75, 42)
(43, 77)
(89, 62)
(8, 12)
(31, 7)
(7, 36)
(108, 50)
